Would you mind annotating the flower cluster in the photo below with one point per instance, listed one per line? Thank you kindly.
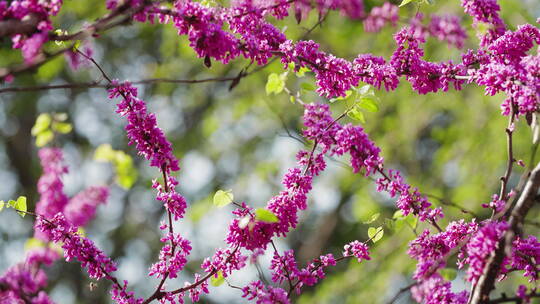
(58, 229)
(172, 257)
(120, 295)
(480, 246)
(448, 28)
(142, 129)
(225, 261)
(511, 71)
(265, 294)
(526, 256)
(356, 249)
(436, 290)
(487, 12)
(50, 186)
(284, 268)
(431, 250)
(496, 204)
(380, 16)
(82, 207)
(25, 281)
(30, 13)
(173, 201)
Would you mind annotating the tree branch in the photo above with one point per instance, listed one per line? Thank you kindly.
(486, 282)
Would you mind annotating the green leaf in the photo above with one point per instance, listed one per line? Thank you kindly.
(223, 198)
(266, 216)
(275, 83)
(2, 203)
(33, 243)
(369, 103)
(356, 114)
(405, 2)
(308, 87)
(62, 127)
(43, 122)
(348, 94)
(50, 69)
(373, 218)
(76, 45)
(44, 138)
(448, 274)
(302, 71)
(104, 153)
(217, 281)
(20, 205)
(375, 234)
(292, 99)
(11, 203)
(412, 220)
(398, 215)
(126, 174)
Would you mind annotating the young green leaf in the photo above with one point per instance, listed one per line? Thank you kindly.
(104, 153)
(356, 114)
(373, 218)
(33, 243)
(275, 83)
(11, 203)
(448, 274)
(223, 198)
(308, 87)
(266, 216)
(412, 221)
(217, 281)
(2, 203)
(43, 121)
(375, 234)
(405, 2)
(62, 127)
(369, 103)
(44, 138)
(20, 205)
(302, 71)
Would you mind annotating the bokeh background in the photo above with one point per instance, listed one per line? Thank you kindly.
(451, 145)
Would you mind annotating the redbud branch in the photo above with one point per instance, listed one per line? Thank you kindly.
(486, 282)
(510, 163)
(100, 25)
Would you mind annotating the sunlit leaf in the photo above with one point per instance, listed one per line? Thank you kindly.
(275, 83)
(375, 234)
(448, 274)
(223, 198)
(369, 103)
(373, 218)
(266, 216)
(62, 127)
(44, 138)
(217, 281)
(20, 205)
(356, 114)
(43, 121)
(405, 2)
(33, 243)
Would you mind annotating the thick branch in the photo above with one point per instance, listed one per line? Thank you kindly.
(27, 25)
(486, 282)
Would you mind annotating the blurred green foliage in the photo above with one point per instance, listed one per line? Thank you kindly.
(451, 145)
